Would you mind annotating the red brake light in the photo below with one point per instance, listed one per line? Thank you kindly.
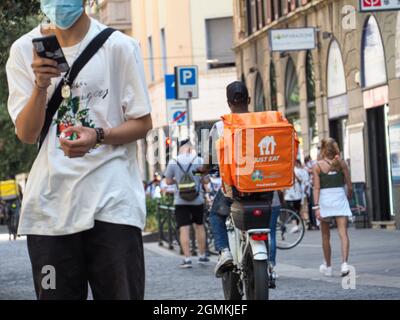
(260, 237)
(257, 213)
(168, 141)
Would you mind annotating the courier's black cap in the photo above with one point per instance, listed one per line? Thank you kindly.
(237, 93)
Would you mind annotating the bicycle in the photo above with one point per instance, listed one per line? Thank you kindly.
(248, 233)
(290, 229)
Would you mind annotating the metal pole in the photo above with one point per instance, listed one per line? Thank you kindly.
(189, 117)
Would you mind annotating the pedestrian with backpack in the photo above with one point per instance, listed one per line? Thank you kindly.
(184, 172)
(84, 205)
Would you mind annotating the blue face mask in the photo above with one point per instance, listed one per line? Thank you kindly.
(63, 13)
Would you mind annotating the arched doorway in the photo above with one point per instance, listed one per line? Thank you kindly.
(312, 112)
(259, 97)
(338, 108)
(374, 82)
(272, 84)
(292, 97)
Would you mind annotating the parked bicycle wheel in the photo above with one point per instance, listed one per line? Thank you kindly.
(290, 229)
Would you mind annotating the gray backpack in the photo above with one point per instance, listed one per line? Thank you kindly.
(187, 186)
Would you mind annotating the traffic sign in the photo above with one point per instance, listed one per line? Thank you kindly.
(177, 113)
(179, 117)
(187, 82)
(170, 91)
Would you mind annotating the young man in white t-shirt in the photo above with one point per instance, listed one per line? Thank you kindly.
(84, 204)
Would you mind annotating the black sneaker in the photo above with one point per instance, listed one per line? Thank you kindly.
(186, 264)
(204, 260)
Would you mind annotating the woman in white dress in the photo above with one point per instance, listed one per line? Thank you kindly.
(331, 175)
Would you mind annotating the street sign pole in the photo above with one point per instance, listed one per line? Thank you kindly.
(187, 88)
(189, 115)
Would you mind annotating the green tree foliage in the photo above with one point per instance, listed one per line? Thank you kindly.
(15, 157)
(16, 18)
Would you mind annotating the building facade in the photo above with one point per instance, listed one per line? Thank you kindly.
(184, 32)
(113, 13)
(346, 88)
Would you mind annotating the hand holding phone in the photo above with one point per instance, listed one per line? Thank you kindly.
(44, 70)
(48, 47)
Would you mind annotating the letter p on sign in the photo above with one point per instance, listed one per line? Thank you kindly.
(187, 75)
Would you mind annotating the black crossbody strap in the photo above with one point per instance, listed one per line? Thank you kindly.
(56, 99)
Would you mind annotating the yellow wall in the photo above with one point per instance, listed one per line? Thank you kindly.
(202, 10)
(186, 42)
(148, 18)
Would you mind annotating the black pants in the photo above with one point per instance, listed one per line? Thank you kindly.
(109, 257)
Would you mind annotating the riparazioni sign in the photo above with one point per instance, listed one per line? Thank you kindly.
(292, 39)
(379, 5)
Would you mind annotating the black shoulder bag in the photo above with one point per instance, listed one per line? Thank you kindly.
(78, 65)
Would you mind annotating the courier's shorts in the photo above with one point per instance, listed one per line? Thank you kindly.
(187, 215)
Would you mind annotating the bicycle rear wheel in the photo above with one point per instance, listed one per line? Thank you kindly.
(290, 229)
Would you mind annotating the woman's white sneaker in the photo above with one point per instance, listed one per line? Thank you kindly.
(325, 270)
(345, 270)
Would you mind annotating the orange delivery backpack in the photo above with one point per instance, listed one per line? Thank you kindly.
(257, 152)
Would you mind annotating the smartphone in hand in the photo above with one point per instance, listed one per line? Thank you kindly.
(49, 47)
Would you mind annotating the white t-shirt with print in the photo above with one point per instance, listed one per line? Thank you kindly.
(65, 196)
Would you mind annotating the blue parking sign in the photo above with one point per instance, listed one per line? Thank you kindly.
(188, 76)
(187, 82)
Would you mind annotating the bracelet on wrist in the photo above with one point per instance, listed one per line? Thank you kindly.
(100, 136)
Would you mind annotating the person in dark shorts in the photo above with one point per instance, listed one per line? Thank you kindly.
(188, 212)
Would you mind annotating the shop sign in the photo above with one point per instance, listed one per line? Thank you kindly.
(338, 107)
(292, 39)
(376, 97)
(379, 5)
